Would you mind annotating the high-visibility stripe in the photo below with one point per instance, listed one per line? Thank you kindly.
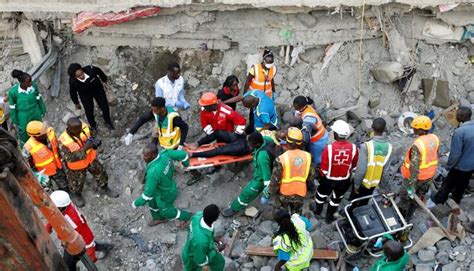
(91, 244)
(321, 195)
(205, 263)
(50, 160)
(145, 197)
(178, 213)
(241, 202)
(333, 204)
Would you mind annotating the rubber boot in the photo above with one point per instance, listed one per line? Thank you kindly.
(330, 214)
(78, 199)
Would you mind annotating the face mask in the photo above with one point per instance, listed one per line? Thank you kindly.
(85, 78)
(268, 65)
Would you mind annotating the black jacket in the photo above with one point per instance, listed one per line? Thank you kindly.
(91, 85)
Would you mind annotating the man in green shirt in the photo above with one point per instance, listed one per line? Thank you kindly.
(160, 189)
(199, 252)
(262, 164)
(394, 256)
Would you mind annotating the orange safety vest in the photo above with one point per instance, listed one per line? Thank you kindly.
(296, 166)
(427, 145)
(74, 144)
(320, 129)
(44, 158)
(263, 81)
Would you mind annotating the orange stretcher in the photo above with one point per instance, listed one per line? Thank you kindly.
(201, 162)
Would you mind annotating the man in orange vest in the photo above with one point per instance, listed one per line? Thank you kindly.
(292, 173)
(78, 149)
(261, 75)
(42, 153)
(419, 167)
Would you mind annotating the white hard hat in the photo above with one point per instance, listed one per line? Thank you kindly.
(341, 128)
(60, 198)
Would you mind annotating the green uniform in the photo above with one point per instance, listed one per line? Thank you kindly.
(160, 188)
(383, 265)
(261, 175)
(199, 249)
(25, 106)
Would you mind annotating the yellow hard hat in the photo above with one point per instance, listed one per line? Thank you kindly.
(35, 128)
(294, 135)
(421, 122)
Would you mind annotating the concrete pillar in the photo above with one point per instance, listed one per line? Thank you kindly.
(31, 40)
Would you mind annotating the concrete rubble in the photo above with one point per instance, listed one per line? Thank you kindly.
(359, 82)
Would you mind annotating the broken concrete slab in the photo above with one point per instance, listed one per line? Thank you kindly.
(442, 98)
(387, 72)
(31, 39)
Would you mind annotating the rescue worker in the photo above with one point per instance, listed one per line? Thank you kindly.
(373, 163)
(170, 129)
(200, 252)
(419, 166)
(313, 127)
(292, 242)
(78, 150)
(262, 164)
(42, 153)
(171, 88)
(261, 75)
(394, 256)
(78, 222)
(229, 93)
(160, 190)
(26, 103)
(220, 122)
(337, 161)
(263, 111)
(460, 161)
(292, 174)
(88, 83)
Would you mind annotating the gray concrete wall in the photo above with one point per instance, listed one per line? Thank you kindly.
(106, 5)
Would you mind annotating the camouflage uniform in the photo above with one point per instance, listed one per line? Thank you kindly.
(76, 178)
(59, 179)
(406, 205)
(292, 203)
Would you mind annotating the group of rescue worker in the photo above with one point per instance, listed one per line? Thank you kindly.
(291, 163)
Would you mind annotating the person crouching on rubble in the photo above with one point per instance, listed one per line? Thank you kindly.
(292, 242)
(78, 222)
(292, 174)
(200, 251)
(160, 190)
(419, 167)
(394, 256)
(219, 122)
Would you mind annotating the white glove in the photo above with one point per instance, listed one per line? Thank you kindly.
(208, 130)
(239, 129)
(128, 139)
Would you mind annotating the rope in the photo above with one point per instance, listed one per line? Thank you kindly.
(360, 43)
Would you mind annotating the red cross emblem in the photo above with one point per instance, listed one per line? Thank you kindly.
(342, 157)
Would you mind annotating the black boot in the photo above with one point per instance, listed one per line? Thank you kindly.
(330, 213)
(108, 192)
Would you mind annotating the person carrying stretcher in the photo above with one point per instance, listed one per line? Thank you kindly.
(220, 123)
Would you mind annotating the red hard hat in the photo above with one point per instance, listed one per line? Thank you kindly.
(208, 98)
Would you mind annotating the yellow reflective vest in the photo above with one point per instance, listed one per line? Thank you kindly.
(300, 256)
(168, 135)
(378, 153)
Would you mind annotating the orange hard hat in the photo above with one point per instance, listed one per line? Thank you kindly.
(208, 98)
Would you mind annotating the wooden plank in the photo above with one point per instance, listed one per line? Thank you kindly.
(433, 217)
(228, 248)
(319, 254)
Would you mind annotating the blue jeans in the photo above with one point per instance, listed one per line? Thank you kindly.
(317, 148)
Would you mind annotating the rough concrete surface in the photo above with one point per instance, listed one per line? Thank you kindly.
(136, 54)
